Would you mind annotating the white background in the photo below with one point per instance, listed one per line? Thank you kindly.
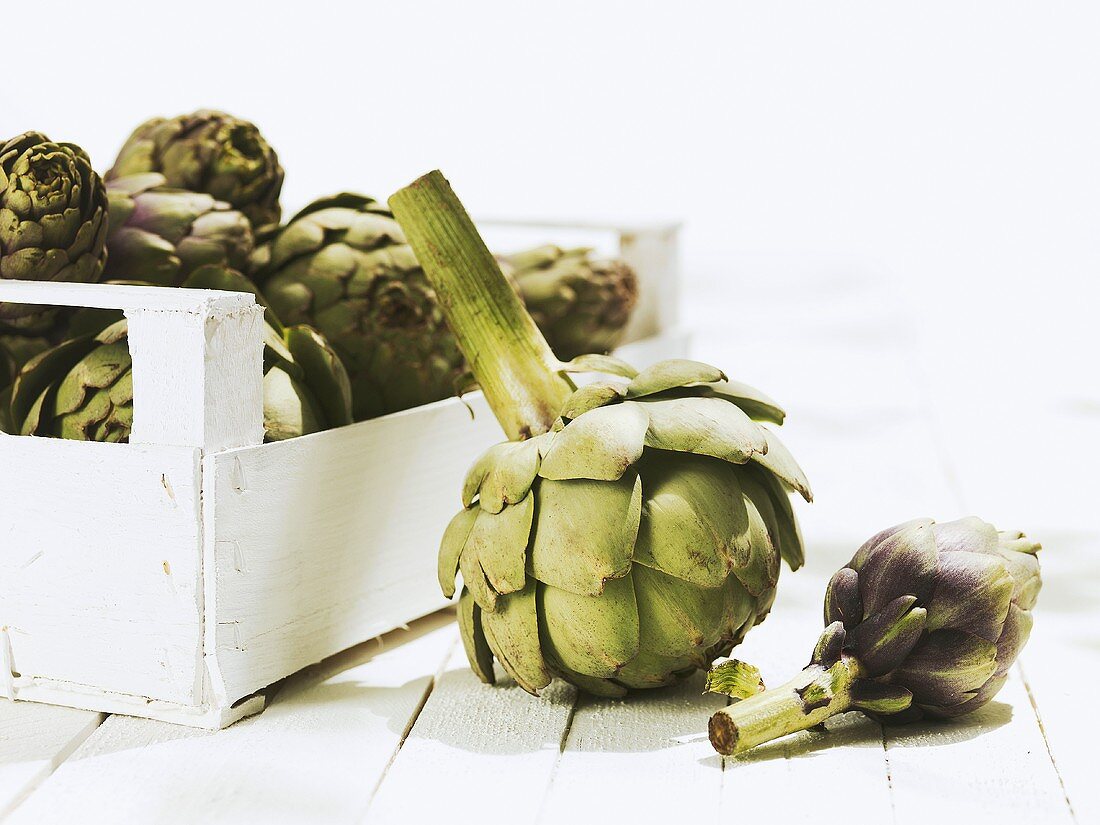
(944, 150)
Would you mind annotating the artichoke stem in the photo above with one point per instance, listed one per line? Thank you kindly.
(807, 700)
(507, 353)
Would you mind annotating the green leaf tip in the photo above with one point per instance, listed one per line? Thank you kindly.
(734, 678)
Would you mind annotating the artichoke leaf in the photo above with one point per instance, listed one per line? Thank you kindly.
(755, 404)
(450, 548)
(876, 697)
(585, 532)
(324, 373)
(675, 372)
(760, 499)
(778, 459)
(970, 535)
(590, 397)
(473, 638)
(600, 444)
(592, 635)
(42, 371)
(473, 577)
(973, 591)
(760, 571)
(903, 564)
(499, 541)
(676, 616)
(503, 474)
(290, 410)
(694, 524)
(946, 668)
(882, 641)
(706, 426)
(606, 364)
(789, 533)
(513, 634)
(842, 600)
(650, 670)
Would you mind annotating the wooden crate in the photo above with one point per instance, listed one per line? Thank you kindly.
(177, 576)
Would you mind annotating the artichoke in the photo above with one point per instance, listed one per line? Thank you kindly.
(342, 265)
(160, 235)
(581, 303)
(924, 621)
(630, 531)
(211, 152)
(83, 388)
(53, 221)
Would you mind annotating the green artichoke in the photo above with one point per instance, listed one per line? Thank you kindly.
(924, 621)
(212, 152)
(342, 265)
(630, 531)
(580, 302)
(53, 221)
(83, 388)
(633, 543)
(160, 235)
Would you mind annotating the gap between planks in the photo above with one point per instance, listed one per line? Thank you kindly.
(412, 720)
(1046, 739)
(326, 737)
(37, 740)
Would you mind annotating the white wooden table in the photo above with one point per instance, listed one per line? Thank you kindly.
(400, 731)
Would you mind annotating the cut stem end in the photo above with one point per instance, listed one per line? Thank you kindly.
(807, 700)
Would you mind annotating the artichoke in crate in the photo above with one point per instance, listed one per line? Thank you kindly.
(53, 221)
(580, 302)
(925, 620)
(83, 388)
(212, 152)
(630, 531)
(160, 235)
(343, 266)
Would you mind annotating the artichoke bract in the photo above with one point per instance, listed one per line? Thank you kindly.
(53, 221)
(83, 388)
(924, 621)
(15, 351)
(160, 235)
(343, 266)
(580, 302)
(212, 152)
(630, 531)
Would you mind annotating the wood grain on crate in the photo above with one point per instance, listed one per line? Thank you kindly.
(112, 600)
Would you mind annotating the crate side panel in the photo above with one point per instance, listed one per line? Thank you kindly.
(99, 565)
(322, 542)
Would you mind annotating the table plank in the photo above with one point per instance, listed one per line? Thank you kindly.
(988, 767)
(1061, 670)
(316, 753)
(34, 740)
(647, 753)
(474, 749)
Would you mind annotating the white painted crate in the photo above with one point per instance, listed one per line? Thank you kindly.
(177, 576)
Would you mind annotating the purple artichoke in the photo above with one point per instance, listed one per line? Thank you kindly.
(924, 621)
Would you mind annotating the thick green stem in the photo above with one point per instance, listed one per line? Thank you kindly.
(807, 700)
(509, 357)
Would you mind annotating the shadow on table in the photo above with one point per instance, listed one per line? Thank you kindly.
(502, 719)
(856, 730)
